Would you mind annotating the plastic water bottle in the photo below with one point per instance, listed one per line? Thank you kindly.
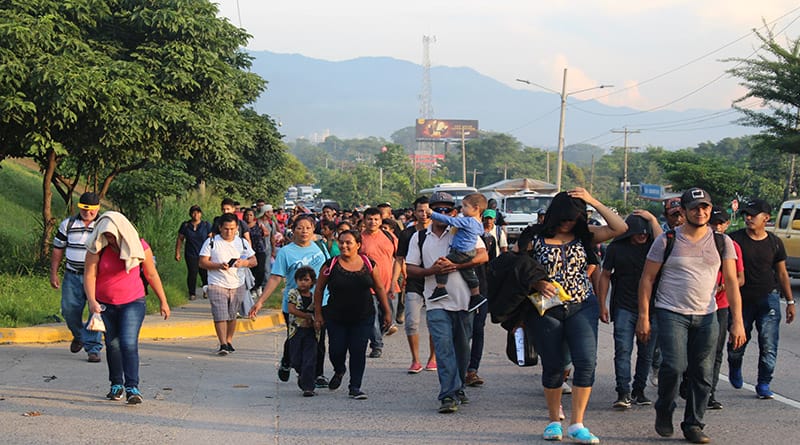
(519, 339)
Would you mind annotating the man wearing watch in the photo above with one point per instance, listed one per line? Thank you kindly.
(765, 279)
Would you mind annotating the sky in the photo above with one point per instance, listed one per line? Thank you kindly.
(658, 54)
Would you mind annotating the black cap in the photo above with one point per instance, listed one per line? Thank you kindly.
(757, 206)
(442, 198)
(694, 197)
(195, 208)
(636, 225)
(89, 201)
(719, 215)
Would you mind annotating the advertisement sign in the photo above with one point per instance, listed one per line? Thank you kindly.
(652, 191)
(442, 129)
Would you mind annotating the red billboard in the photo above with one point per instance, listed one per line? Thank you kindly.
(441, 129)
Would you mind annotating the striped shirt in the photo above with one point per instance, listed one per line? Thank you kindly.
(72, 235)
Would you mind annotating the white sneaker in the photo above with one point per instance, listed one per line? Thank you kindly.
(205, 291)
(565, 388)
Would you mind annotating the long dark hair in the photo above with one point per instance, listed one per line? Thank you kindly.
(562, 208)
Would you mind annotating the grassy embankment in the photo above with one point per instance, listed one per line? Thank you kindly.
(26, 297)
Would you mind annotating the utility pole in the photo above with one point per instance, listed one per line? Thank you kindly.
(625, 148)
(475, 173)
(591, 178)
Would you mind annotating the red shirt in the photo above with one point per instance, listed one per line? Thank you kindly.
(114, 284)
(722, 296)
(381, 249)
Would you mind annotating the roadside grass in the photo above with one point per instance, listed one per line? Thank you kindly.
(26, 298)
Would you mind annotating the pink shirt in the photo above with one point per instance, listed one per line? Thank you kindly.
(115, 285)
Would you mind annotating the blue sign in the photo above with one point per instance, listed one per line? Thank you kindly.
(653, 191)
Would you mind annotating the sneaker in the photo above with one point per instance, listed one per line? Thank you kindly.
(336, 381)
(230, 349)
(357, 394)
(93, 357)
(476, 301)
(639, 399)
(682, 389)
(438, 294)
(205, 292)
(400, 318)
(714, 403)
(449, 405)
(473, 379)
(192, 297)
(623, 401)
(223, 350)
(309, 393)
(75, 346)
(283, 373)
(431, 366)
(735, 377)
(565, 388)
(582, 435)
(415, 368)
(133, 395)
(553, 432)
(695, 434)
(664, 424)
(462, 397)
(392, 330)
(654, 377)
(375, 353)
(762, 389)
(116, 393)
(321, 382)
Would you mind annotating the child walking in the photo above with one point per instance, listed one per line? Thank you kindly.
(303, 337)
(462, 249)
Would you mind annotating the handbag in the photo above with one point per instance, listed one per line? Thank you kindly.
(543, 303)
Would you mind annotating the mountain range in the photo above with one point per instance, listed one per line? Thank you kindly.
(376, 96)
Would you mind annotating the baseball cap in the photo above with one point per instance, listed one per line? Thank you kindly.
(672, 206)
(195, 208)
(695, 196)
(636, 225)
(757, 206)
(489, 213)
(89, 201)
(384, 204)
(442, 198)
(719, 215)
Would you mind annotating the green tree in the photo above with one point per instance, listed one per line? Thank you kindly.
(118, 84)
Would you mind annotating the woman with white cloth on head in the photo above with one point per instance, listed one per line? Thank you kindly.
(115, 255)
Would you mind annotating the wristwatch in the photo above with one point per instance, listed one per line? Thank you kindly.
(790, 302)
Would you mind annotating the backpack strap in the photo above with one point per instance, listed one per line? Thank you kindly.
(334, 260)
(421, 234)
(366, 261)
(392, 239)
(670, 234)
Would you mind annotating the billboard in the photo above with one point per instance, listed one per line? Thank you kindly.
(442, 129)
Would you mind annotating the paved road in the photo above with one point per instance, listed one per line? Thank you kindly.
(195, 397)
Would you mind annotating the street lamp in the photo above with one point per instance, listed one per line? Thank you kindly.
(564, 95)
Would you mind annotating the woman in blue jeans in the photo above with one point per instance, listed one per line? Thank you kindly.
(350, 314)
(114, 288)
(563, 245)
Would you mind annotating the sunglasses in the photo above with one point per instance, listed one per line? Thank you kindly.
(442, 209)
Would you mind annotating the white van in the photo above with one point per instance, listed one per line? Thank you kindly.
(457, 189)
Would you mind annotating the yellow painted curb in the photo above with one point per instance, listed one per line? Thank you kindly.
(153, 328)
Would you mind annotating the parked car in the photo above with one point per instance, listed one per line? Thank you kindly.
(787, 228)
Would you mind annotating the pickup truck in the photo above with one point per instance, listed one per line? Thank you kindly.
(787, 228)
(520, 210)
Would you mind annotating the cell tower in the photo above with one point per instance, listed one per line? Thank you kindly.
(425, 101)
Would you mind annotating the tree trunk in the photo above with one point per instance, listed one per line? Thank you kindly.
(48, 222)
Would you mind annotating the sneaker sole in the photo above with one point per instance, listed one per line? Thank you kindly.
(435, 299)
(473, 308)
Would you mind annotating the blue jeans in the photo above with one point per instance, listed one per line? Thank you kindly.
(688, 344)
(476, 351)
(766, 314)
(123, 323)
(722, 318)
(575, 327)
(624, 335)
(451, 332)
(376, 337)
(352, 338)
(73, 300)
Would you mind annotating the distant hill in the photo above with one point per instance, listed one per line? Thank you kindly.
(375, 96)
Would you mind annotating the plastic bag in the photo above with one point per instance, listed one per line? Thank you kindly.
(96, 323)
(543, 304)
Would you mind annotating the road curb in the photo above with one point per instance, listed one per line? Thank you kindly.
(152, 329)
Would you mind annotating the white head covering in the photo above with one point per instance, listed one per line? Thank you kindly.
(130, 245)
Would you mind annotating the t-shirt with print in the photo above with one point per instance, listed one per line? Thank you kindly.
(222, 252)
(566, 264)
(688, 277)
(303, 303)
(433, 248)
(292, 257)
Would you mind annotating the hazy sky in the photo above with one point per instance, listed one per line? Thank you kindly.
(655, 52)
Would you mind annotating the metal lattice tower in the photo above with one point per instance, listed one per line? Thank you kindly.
(425, 100)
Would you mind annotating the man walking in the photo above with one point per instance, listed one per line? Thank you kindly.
(685, 311)
(765, 279)
(449, 322)
(70, 241)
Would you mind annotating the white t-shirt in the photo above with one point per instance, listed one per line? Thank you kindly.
(433, 248)
(223, 252)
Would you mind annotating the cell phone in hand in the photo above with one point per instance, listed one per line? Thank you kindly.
(232, 261)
